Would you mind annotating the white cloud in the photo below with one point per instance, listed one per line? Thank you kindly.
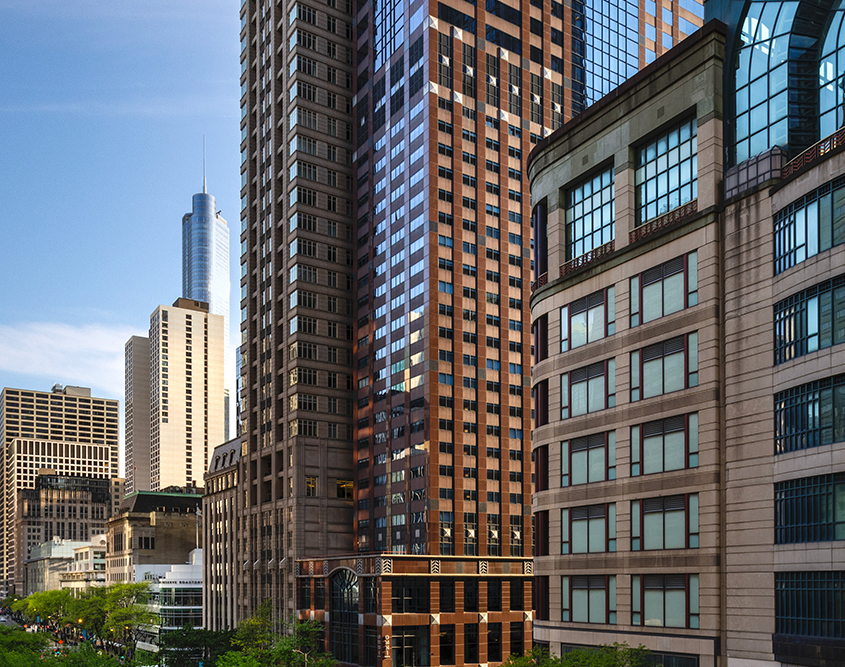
(89, 355)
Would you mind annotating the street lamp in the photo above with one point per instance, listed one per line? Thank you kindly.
(296, 650)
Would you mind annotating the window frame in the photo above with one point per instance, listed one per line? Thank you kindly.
(691, 588)
(567, 588)
(594, 517)
(603, 302)
(687, 503)
(590, 373)
(656, 351)
(605, 441)
(639, 433)
(685, 265)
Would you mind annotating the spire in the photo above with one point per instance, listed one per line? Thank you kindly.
(204, 190)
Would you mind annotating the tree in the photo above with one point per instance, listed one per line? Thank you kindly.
(51, 606)
(188, 646)
(299, 647)
(19, 648)
(256, 635)
(126, 611)
(257, 644)
(89, 611)
(609, 655)
(84, 656)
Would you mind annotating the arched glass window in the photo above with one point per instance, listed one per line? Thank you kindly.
(762, 76)
(832, 74)
(344, 616)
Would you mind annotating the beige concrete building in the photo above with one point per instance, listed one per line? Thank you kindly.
(66, 430)
(183, 376)
(689, 442)
(152, 532)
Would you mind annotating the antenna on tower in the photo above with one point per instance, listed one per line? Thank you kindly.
(204, 191)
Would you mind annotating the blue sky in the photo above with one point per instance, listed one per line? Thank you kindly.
(103, 107)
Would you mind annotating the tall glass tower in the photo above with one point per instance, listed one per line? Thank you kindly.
(205, 266)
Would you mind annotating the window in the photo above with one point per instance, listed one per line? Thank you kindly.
(588, 389)
(812, 224)
(667, 172)
(665, 523)
(447, 595)
(590, 458)
(665, 444)
(811, 509)
(311, 486)
(664, 289)
(809, 603)
(805, 416)
(410, 595)
(588, 599)
(669, 600)
(761, 81)
(589, 214)
(447, 529)
(664, 367)
(344, 489)
(588, 319)
(447, 644)
(590, 529)
(810, 320)
(470, 642)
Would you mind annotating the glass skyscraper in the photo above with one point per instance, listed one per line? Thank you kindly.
(205, 267)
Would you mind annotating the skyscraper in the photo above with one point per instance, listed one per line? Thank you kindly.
(205, 255)
(136, 411)
(65, 430)
(205, 268)
(181, 381)
(385, 269)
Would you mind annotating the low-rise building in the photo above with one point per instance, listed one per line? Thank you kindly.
(46, 563)
(152, 530)
(88, 567)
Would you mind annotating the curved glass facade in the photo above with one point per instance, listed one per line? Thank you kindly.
(832, 74)
(762, 75)
(789, 64)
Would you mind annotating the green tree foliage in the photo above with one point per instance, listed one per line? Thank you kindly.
(90, 611)
(19, 648)
(236, 659)
(188, 646)
(302, 641)
(50, 606)
(126, 610)
(256, 635)
(258, 644)
(610, 655)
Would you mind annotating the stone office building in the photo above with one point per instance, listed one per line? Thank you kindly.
(689, 440)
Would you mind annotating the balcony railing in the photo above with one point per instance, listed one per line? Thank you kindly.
(587, 258)
(653, 226)
(814, 152)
